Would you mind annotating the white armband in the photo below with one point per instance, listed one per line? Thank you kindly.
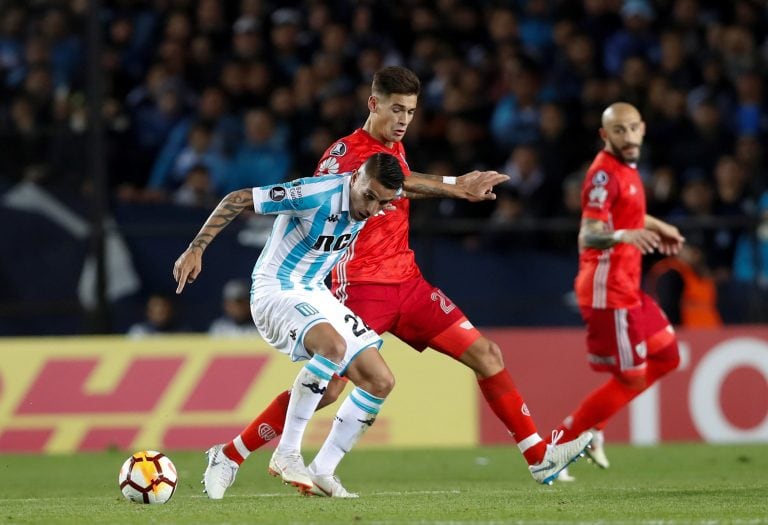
(618, 235)
(449, 180)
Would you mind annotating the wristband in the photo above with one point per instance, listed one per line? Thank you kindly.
(618, 235)
(449, 180)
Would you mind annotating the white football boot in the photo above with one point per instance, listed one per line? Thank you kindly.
(565, 476)
(290, 468)
(219, 474)
(328, 486)
(596, 453)
(557, 457)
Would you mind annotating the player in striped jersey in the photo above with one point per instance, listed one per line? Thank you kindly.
(628, 335)
(317, 220)
(379, 280)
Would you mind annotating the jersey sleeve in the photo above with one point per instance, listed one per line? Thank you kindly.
(598, 194)
(341, 157)
(297, 197)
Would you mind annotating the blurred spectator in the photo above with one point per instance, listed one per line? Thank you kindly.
(197, 189)
(199, 149)
(160, 318)
(635, 39)
(236, 320)
(261, 159)
(529, 182)
(684, 287)
(750, 262)
(516, 116)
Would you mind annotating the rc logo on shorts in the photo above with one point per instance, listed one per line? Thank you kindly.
(277, 193)
(339, 149)
(293, 334)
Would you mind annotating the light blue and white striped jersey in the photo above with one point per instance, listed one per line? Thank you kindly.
(313, 229)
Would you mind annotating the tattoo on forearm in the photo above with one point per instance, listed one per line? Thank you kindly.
(229, 208)
(416, 191)
(594, 235)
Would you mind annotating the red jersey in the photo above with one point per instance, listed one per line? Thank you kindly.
(612, 193)
(380, 254)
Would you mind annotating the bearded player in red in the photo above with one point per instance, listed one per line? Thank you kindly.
(628, 335)
(379, 280)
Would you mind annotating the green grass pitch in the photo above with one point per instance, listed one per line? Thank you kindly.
(681, 483)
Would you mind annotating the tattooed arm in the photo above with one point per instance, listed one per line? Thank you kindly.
(595, 234)
(190, 263)
(474, 186)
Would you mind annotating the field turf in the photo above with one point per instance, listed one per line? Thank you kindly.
(682, 483)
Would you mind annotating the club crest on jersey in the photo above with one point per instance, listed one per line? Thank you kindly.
(338, 149)
(597, 196)
(329, 166)
(600, 178)
(277, 193)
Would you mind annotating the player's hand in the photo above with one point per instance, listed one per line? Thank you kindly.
(187, 267)
(644, 240)
(478, 185)
(671, 239)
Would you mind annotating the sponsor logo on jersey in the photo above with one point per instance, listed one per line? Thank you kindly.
(600, 178)
(292, 333)
(333, 218)
(277, 193)
(329, 166)
(338, 149)
(524, 410)
(632, 189)
(295, 193)
(329, 243)
(597, 196)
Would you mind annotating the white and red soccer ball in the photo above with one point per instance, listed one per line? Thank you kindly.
(148, 476)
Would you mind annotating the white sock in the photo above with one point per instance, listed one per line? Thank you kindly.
(307, 390)
(356, 414)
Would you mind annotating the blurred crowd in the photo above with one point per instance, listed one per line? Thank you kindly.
(204, 96)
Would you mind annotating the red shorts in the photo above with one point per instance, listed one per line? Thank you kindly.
(414, 311)
(620, 340)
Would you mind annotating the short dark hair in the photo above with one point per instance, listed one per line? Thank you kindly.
(395, 80)
(386, 169)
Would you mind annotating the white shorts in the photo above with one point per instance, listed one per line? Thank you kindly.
(283, 317)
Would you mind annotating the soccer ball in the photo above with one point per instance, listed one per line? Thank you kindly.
(148, 477)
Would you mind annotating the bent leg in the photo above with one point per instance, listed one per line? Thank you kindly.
(269, 424)
(373, 382)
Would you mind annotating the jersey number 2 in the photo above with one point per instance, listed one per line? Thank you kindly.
(356, 322)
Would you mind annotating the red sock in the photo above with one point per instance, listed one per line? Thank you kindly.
(612, 396)
(508, 405)
(266, 427)
(597, 407)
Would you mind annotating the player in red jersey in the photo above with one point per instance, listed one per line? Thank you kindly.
(628, 335)
(379, 280)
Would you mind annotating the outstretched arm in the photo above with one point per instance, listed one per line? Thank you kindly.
(190, 263)
(474, 186)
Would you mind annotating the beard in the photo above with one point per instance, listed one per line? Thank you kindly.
(618, 152)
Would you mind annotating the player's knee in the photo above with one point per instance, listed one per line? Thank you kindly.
(668, 358)
(381, 385)
(333, 348)
(484, 357)
(633, 381)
